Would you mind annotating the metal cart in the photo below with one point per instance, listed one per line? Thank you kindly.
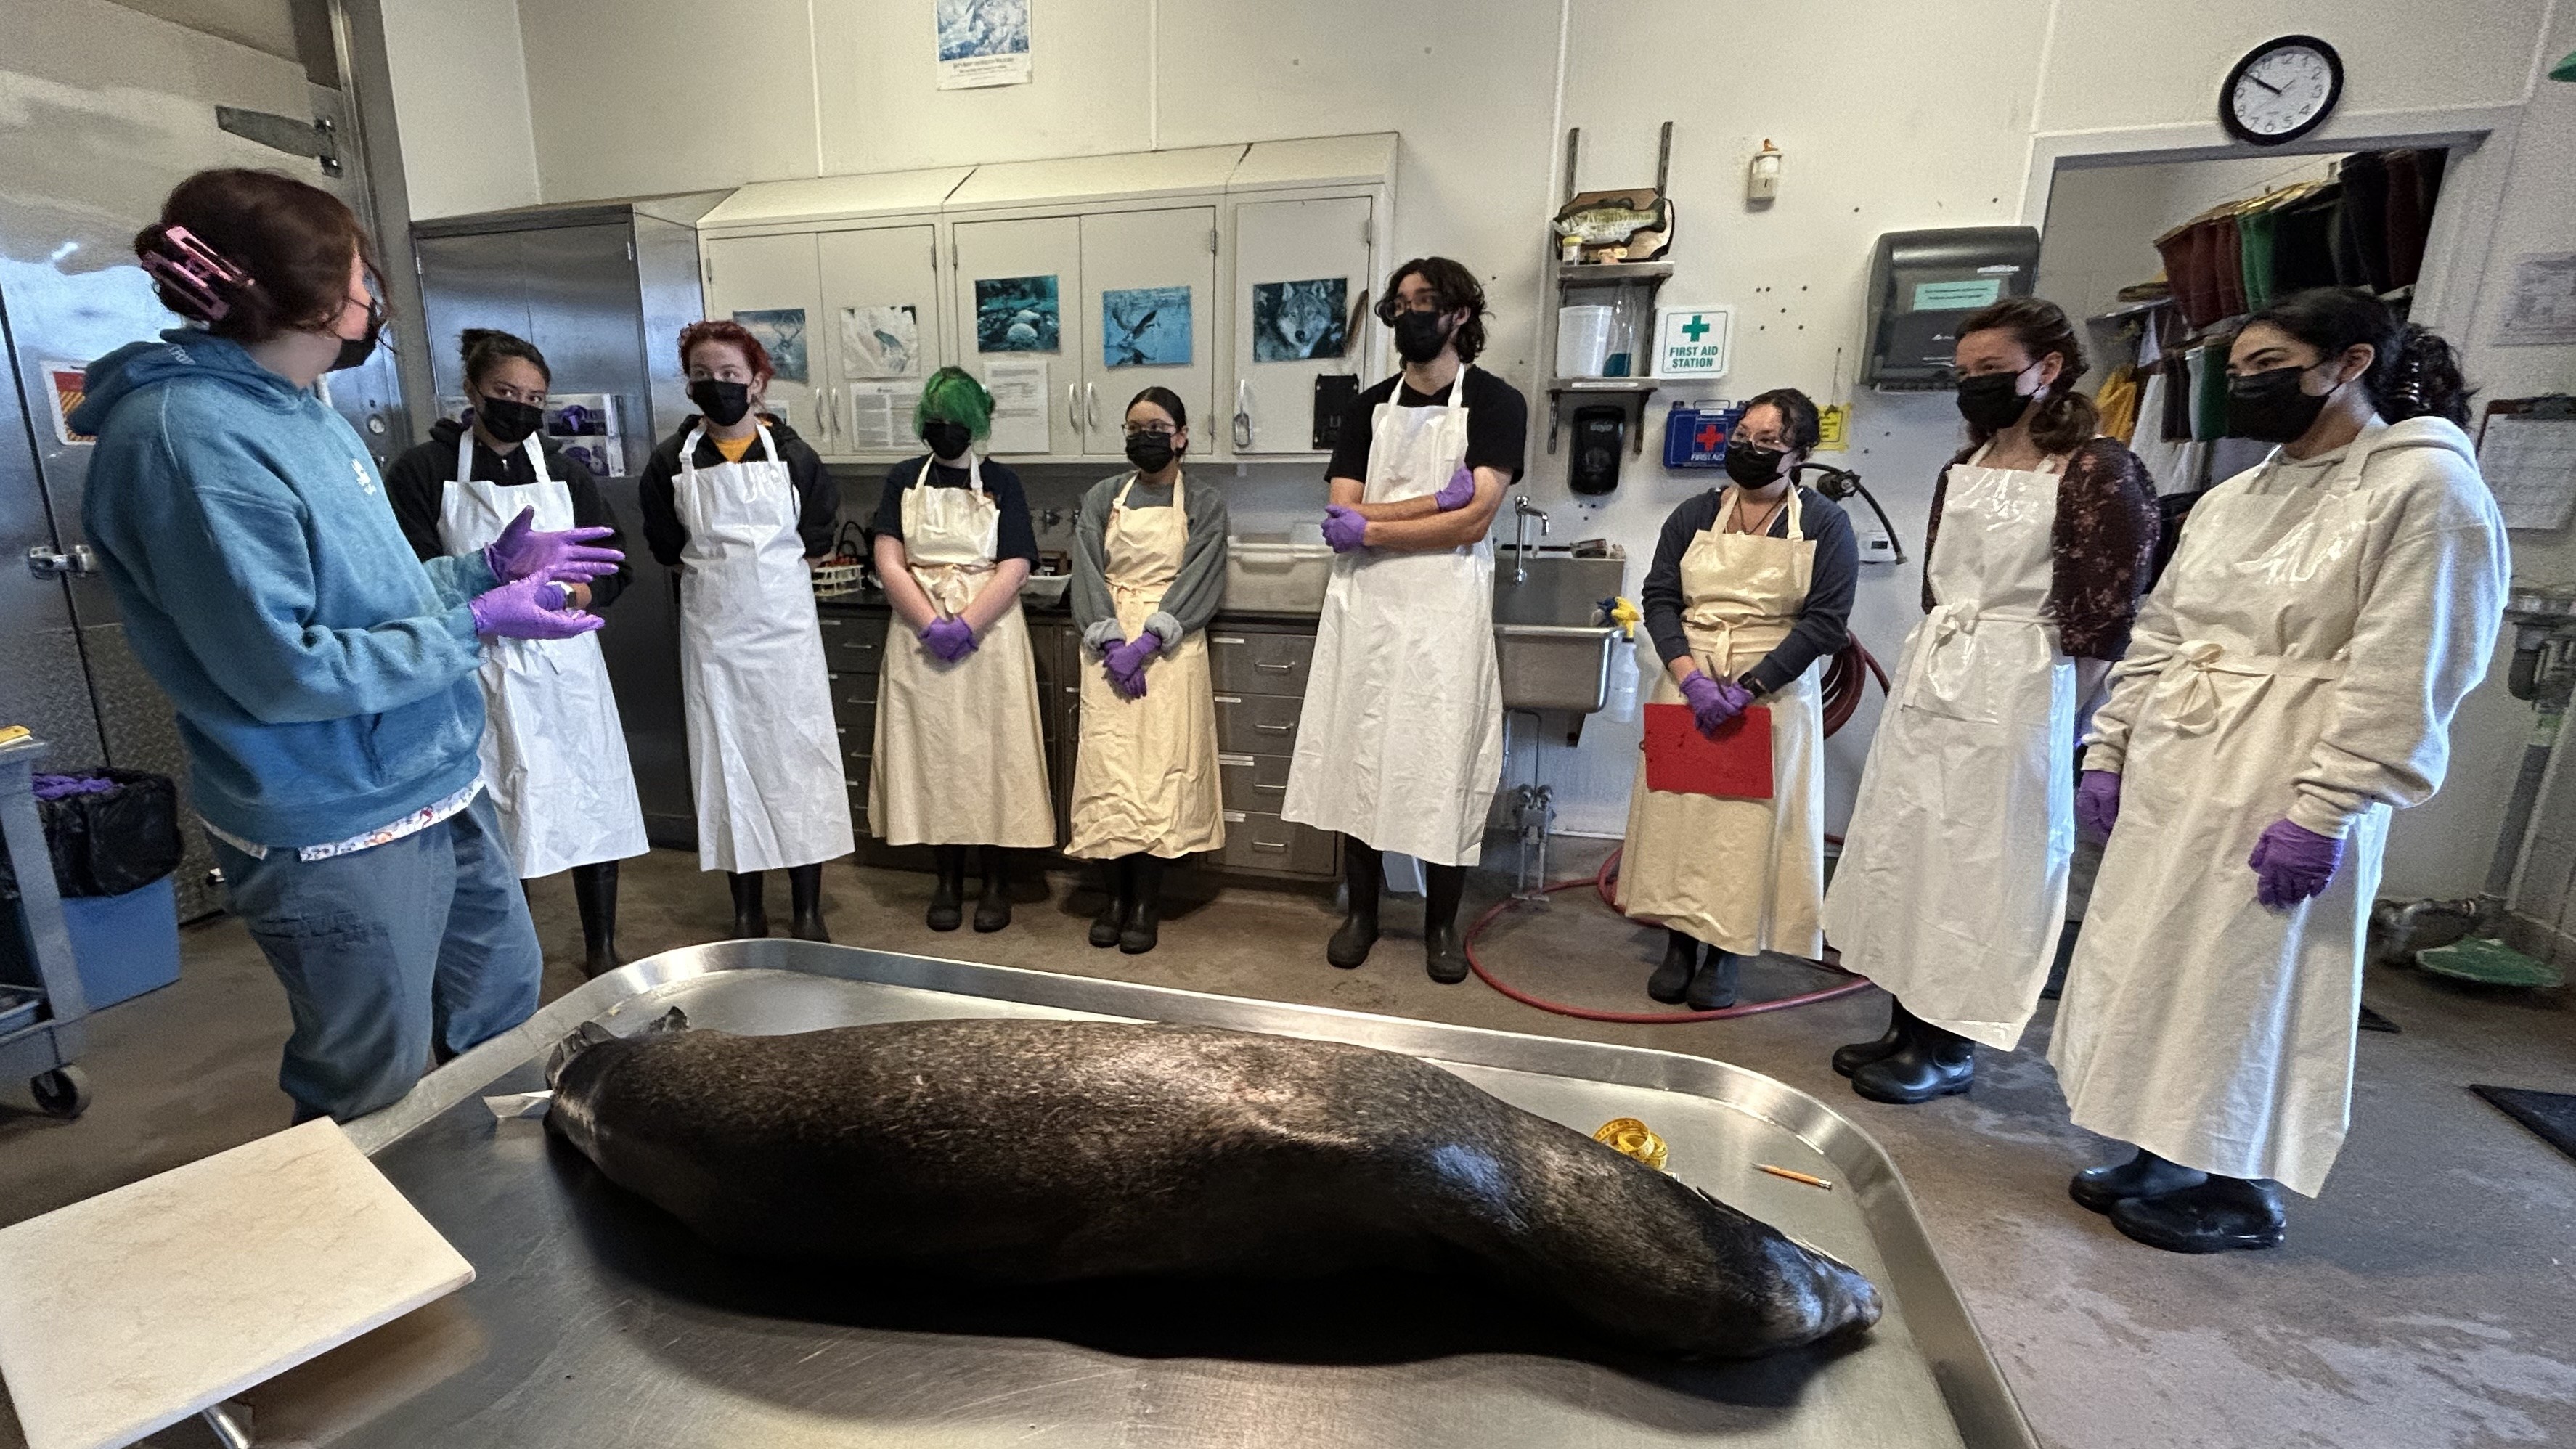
(42, 1007)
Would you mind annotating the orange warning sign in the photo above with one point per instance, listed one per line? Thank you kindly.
(68, 382)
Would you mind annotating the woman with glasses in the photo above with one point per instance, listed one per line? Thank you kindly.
(1148, 574)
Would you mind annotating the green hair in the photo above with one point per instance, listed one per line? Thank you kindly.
(953, 395)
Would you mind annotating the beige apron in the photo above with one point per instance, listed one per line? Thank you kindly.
(959, 757)
(1743, 875)
(1146, 777)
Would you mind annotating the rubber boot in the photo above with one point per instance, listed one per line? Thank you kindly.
(2055, 986)
(1931, 1062)
(2145, 1175)
(750, 917)
(948, 863)
(1146, 924)
(805, 888)
(2216, 1215)
(993, 907)
(1859, 1054)
(1681, 959)
(1350, 945)
(1712, 986)
(594, 892)
(1442, 953)
(1120, 874)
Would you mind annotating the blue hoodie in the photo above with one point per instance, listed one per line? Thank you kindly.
(324, 676)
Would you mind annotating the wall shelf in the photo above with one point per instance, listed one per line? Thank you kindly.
(1603, 274)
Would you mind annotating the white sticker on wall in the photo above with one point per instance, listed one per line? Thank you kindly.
(1692, 341)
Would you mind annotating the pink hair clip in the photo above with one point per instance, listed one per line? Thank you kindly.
(197, 273)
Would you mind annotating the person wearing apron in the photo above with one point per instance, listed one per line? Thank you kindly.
(959, 757)
(1951, 889)
(554, 751)
(1148, 574)
(1400, 742)
(2293, 684)
(741, 507)
(1750, 592)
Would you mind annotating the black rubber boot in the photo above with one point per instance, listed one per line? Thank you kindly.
(2219, 1214)
(948, 864)
(750, 917)
(993, 907)
(1859, 1054)
(805, 889)
(1442, 953)
(1712, 986)
(2145, 1175)
(594, 892)
(1147, 921)
(1930, 1063)
(1119, 873)
(1350, 945)
(2066, 938)
(1681, 960)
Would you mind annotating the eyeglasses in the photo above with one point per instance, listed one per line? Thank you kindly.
(1159, 430)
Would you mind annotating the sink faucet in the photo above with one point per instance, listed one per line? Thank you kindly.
(1522, 512)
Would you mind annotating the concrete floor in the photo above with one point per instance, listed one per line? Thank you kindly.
(2426, 1301)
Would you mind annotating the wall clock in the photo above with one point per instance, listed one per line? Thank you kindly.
(2281, 90)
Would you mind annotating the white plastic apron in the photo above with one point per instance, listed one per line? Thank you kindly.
(959, 757)
(2196, 1023)
(1146, 778)
(1401, 740)
(1951, 891)
(554, 753)
(1743, 875)
(764, 758)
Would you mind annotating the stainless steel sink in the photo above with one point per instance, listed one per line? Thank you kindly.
(1555, 666)
(1551, 587)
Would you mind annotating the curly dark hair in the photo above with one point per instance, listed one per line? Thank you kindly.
(2413, 372)
(1800, 424)
(1452, 287)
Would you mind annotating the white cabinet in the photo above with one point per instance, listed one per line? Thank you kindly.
(884, 326)
(1303, 286)
(771, 284)
(1132, 264)
(1018, 286)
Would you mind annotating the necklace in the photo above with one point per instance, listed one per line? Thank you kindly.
(1768, 514)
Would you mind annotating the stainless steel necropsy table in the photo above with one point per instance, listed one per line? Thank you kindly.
(595, 1319)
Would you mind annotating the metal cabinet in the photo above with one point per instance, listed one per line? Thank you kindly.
(1260, 672)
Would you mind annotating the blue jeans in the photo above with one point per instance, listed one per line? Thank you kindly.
(388, 953)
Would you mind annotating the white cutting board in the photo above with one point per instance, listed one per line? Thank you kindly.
(131, 1311)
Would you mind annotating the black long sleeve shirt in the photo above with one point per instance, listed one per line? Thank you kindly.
(1823, 622)
(417, 486)
(818, 496)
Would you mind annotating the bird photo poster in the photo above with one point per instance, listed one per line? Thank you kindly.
(1145, 327)
(880, 342)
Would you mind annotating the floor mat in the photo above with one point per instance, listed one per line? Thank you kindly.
(2551, 1115)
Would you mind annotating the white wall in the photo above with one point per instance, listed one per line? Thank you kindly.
(461, 105)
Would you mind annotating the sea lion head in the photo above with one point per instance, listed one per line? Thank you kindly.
(581, 1058)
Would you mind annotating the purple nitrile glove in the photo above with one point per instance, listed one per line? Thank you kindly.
(949, 638)
(1714, 701)
(62, 787)
(569, 556)
(2293, 863)
(529, 609)
(1344, 529)
(2097, 801)
(1126, 663)
(1460, 491)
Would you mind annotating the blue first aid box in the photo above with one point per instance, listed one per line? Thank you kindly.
(1695, 433)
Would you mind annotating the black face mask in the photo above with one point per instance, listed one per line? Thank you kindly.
(507, 421)
(354, 351)
(724, 403)
(1992, 402)
(1419, 336)
(1150, 452)
(947, 439)
(2271, 407)
(1753, 465)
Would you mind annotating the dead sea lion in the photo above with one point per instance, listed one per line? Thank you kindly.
(1021, 1151)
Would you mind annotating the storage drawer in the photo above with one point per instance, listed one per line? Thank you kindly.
(857, 743)
(1257, 724)
(854, 643)
(1254, 783)
(1248, 662)
(1266, 843)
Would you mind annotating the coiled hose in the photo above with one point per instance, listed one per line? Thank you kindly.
(1845, 678)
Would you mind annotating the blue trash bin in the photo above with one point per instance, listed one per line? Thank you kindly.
(124, 945)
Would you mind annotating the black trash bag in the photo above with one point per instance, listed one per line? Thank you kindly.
(108, 843)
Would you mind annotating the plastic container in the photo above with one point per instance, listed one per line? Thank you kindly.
(1621, 703)
(1045, 588)
(124, 945)
(1582, 340)
(1274, 575)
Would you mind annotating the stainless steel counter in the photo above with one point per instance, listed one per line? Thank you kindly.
(596, 1319)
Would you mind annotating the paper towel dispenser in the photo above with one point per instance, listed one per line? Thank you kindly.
(1921, 283)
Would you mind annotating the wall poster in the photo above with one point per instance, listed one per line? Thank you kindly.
(1145, 327)
(982, 43)
(1016, 314)
(782, 331)
(1300, 321)
(880, 342)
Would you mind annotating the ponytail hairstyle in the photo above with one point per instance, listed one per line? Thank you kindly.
(2066, 420)
(1166, 399)
(252, 254)
(2413, 373)
(484, 348)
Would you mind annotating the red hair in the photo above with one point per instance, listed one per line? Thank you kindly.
(731, 333)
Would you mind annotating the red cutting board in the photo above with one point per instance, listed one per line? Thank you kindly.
(1736, 765)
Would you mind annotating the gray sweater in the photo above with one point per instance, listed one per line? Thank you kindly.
(1196, 592)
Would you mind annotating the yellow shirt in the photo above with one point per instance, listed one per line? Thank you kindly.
(734, 448)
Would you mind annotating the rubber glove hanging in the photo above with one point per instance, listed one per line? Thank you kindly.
(2293, 863)
(570, 556)
(1126, 663)
(1460, 491)
(2097, 801)
(529, 609)
(1344, 529)
(951, 639)
(1714, 701)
